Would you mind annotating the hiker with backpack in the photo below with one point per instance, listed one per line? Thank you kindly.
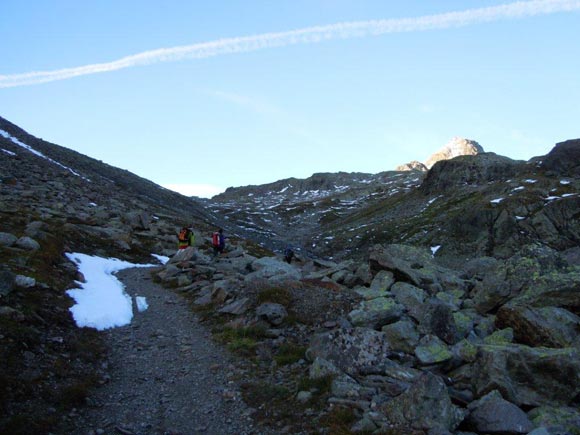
(185, 238)
(218, 242)
(288, 254)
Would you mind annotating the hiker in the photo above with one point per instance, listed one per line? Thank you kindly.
(218, 242)
(185, 238)
(288, 254)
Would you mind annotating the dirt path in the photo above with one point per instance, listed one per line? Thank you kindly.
(167, 375)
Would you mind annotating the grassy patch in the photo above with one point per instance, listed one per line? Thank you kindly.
(277, 295)
(339, 420)
(242, 341)
(289, 353)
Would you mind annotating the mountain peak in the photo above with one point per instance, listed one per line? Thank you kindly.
(457, 146)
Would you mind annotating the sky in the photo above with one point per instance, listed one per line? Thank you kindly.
(201, 96)
(101, 301)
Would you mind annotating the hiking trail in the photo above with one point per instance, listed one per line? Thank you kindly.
(167, 376)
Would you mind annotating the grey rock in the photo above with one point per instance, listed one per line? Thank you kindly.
(24, 281)
(494, 415)
(528, 376)
(382, 281)
(7, 239)
(564, 159)
(353, 351)
(7, 282)
(236, 307)
(431, 350)
(376, 313)
(424, 406)
(402, 336)
(272, 313)
(438, 320)
(28, 244)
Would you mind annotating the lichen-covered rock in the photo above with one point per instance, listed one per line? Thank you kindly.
(402, 336)
(411, 297)
(528, 376)
(543, 326)
(431, 350)
(376, 313)
(382, 281)
(557, 420)
(354, 351)
(414, 265)
(273, 269)
(438, 320)
(237, 307)
(424, 406)
(24, 281)
(493, 415)
(321, 368)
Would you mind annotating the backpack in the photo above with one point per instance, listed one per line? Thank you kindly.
(184, 235)
(215, 239)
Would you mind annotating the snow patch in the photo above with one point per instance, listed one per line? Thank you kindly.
(38, 153)
(162, 258)
(141, 302)
(530, 181)
(10, 153)
(101, 302)
(497, 200)
(564, 182)
(434, 249)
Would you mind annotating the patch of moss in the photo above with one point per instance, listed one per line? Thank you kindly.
(289, 353)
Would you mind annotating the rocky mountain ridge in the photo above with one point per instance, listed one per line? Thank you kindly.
(439, 302)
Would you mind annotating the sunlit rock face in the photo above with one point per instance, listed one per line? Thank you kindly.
(456, 147)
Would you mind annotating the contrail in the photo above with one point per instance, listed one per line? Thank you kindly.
(308, 35)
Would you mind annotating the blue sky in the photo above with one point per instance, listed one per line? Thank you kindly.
(363, 100)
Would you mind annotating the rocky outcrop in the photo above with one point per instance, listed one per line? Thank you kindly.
(455, 148)
(564, 159)
(413, 165)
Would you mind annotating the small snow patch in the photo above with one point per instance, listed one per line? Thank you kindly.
(141, 302)
(10, 153)
(162, 258)
(564, 182)
(434, 249)
(519, 218)
(518, 188)
(530, 181)
(497, 200)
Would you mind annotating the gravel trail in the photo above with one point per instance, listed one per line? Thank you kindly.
(167, 375)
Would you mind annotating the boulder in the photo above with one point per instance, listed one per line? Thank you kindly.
(424, 406)
(376, 313)
(415, 266)
(271, 268)
(7, 239)
(138, 220)
(382, 281)
(237, 307)
(431, 350)
(402, 336)
(24, 281)
(7, 283)
(438, 320)
(542, 326)
(411, 297)
(557, 420)
(493, 415)
(28, 244)
(528, 376)
(272, 313)
(354, 351)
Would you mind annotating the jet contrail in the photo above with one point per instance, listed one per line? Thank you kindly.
(308, 35)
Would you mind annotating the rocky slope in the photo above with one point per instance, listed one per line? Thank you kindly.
(438, 302)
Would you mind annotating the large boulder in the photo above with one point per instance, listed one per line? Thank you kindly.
(438, 320)
(376, 313)
(354, 351)
(402, 336)
(528, 376)
(28, 244)
(425, 406)
(493, 415)
(272, 313)
(271, 268)
(542, 326)
(415, 266)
